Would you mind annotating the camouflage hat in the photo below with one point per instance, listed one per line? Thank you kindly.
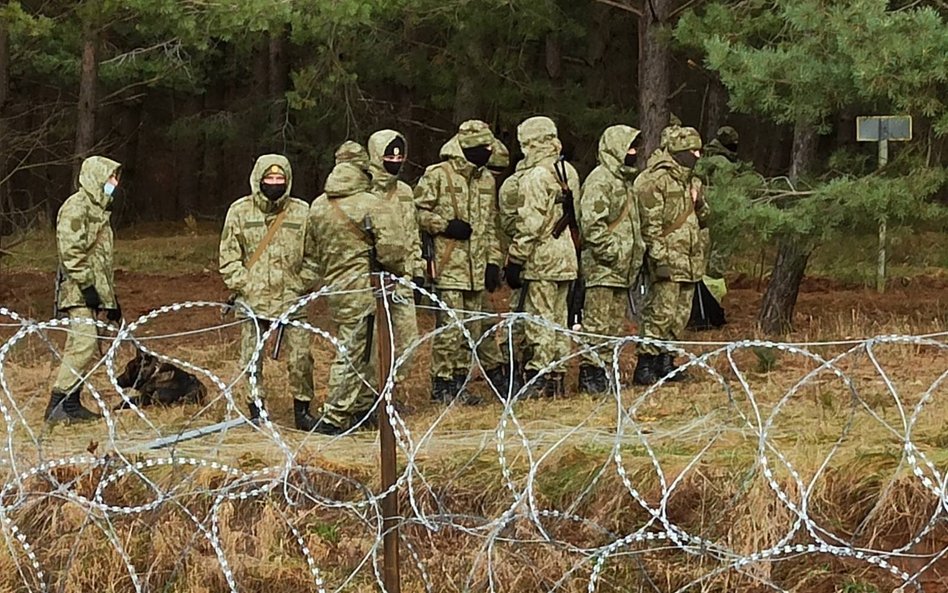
(680, 139)
(727, 136)
(352, 152)
(499, 156)
(536, 128)
(473, 133)
(667, 132)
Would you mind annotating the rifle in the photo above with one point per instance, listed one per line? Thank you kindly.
(374, 268)
(576, 297)
(428, 254)
(275, 355)
(60, 276)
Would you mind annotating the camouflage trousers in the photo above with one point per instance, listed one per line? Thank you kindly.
(354, 370)
(294, 349)
(80, 353)
(542, 345)
(604, 314)
(404, 327)
(666, 313)
(450, 350)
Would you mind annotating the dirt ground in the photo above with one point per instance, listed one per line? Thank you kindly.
(826, 309)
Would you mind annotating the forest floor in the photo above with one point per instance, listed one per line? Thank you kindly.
(846, 447)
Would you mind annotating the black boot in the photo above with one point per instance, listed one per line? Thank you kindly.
(443, 390)
(74, 408)
(666, 366)
(54, 409)
(304, 420)
(554, 386)
(646, 370)
(467, 398)
(327, 428)
(593, 380)
(500, 378)
(254, 413)
(536, 389)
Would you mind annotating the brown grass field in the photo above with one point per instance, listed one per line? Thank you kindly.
(845, 447)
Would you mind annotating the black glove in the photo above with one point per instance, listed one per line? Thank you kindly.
(458, 229)
(492, 277)
(114, 315)
(91, 296)
(418, 281)
(512, 273)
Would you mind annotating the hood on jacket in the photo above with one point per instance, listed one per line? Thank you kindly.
(93, 174)
(264, 162)
(346, 179)
(613, 146)
(377, 144)
(538, 140)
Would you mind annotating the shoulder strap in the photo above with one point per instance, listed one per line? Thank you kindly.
(271, 231)
(625, 212)
(449, 174)
(678, 222)
(350, 224)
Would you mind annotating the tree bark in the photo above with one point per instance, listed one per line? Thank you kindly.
(793, 252)
(5, 201)
(88, 80)
(715, 108)
(654, 72)
(279, 79)
(467, 104)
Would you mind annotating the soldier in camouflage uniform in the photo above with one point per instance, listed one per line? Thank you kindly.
(718, 160)
(269, 277)
(457, 206)
(345, 226)
(673, 211)
(86, 286)
(538, 263)
(387, 154)
(612, 245)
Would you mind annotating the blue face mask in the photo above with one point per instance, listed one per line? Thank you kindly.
(109, 189)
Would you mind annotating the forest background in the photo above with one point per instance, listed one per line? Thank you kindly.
(187, 93)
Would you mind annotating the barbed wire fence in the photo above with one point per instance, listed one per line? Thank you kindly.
(139, 469)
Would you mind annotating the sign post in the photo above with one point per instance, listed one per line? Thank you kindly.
(881, 129)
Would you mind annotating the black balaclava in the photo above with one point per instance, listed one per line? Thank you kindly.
(685, 158)
(273, 191)
(630, 159)
(477, 155)
(395, 148)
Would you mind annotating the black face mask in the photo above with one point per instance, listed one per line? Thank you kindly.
(477, 155)
(392, 167)
(686, 159)
(630, 159)
(273, 191)
(731, 147)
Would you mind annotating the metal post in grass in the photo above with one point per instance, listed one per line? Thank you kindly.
(881, 129)
(387, 449)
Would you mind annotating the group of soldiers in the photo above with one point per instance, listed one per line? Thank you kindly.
(457, 232)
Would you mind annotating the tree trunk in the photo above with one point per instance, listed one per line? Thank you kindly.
(467, 103)
(715, 108)
(279, 79)
(654, 72)
(88, 80)
(554, 56)
(188, 160)
(793, 252)
(5, 201)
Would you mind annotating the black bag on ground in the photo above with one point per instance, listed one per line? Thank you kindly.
(706, 311)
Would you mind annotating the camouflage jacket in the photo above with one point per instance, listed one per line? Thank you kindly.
(84, 237)
(277, 279)
(544, 257)
(715, 157)
(399, 193)
(671, 224)
(454, 188)
(609, 215)
(338, 246)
